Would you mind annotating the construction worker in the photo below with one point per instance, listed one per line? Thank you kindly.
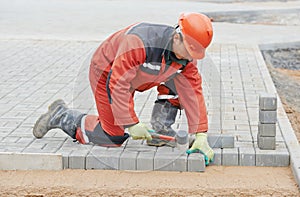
(138, 58)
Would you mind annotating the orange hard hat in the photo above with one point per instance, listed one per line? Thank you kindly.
(197, 33)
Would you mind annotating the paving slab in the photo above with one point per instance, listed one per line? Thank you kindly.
(278, 157)
(217, 157)
(230, 157)
(267, 130)
(145, 161)
(267, 117)
(247, 156)
(106, 160)
(220, 140)
(196, 163)
(266, 143)
(77, 159)
(128, 160)
(267, 102)
(170, 161)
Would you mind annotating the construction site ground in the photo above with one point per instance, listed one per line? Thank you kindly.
(45, 47)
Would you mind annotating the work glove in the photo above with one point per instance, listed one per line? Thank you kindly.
(139, 131)
(201, 145)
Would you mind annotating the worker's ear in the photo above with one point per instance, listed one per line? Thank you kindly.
(176, 39)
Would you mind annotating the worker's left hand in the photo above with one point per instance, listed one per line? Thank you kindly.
(201, 145)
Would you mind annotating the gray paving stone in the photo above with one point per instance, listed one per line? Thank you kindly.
(196, 163)
(242, 127)
(217, 157)
(170, 162)
(267, 102)
(244, 137)
(230, 157)
(14, 144)
(140, 148)
(226, 126)
(77, 159)
(145, 161)
(266, 143)
(242, 144)
(220, 140)
(213, 126)
(134, 142)
(164, 149)
(92, 156)
(34, 150)
(267, 116)
(267, 130)
(107, 160)
(247, 156)
(65, 156)
(11, 139)
(128, 160)
(4, 147)
(278, 157)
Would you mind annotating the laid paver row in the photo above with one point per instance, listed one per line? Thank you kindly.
(147, 159)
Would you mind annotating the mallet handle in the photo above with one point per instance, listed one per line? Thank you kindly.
(162, 137)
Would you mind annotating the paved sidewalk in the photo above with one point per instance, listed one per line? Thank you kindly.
(35, 73)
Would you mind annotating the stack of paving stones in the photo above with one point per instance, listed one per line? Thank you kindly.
(266, 136)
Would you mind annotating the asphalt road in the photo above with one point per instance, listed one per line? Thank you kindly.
(96, 19)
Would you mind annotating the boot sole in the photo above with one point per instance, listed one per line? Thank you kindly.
(157, 142)
(40, 127)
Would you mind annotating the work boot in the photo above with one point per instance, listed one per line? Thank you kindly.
(162, 118)
(58, 116)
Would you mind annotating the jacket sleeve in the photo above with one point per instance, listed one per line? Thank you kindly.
(130, 55)
(189, 88)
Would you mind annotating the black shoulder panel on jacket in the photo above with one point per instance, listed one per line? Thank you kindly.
(155, 37)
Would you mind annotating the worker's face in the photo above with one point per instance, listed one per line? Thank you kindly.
(179, 48)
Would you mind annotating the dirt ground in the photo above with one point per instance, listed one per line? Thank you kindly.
(292, 113)
(216, 181)
(284, 67)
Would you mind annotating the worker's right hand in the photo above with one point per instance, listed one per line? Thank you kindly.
(201, 145)
(139, 131)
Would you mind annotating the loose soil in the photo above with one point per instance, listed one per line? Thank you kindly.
(263, 17)
(216, 181)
